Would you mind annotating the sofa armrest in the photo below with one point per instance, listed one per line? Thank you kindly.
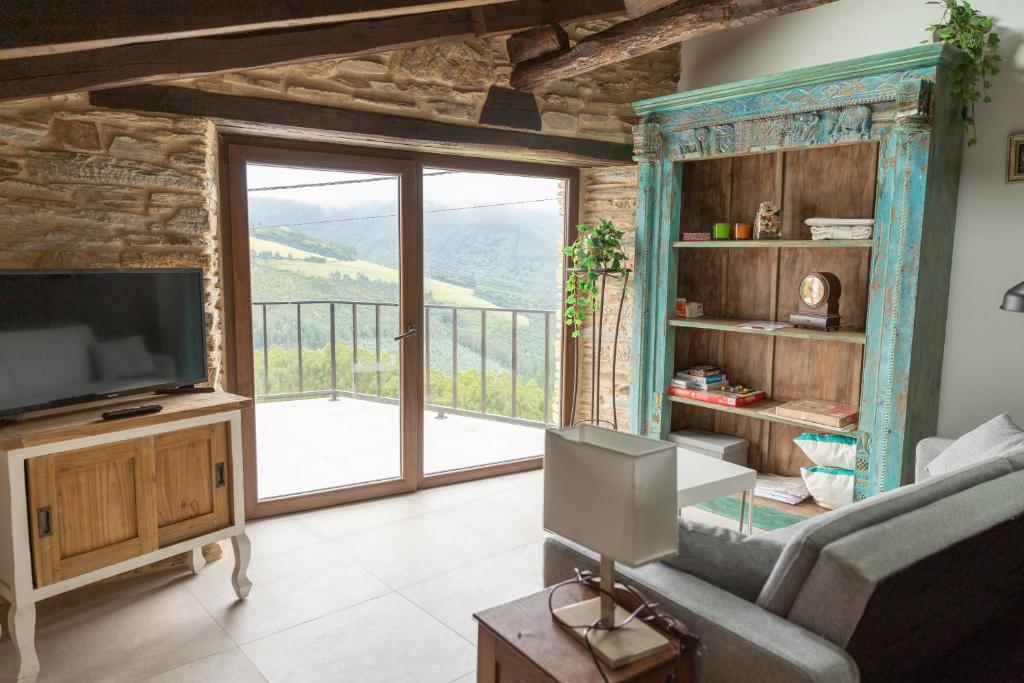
(739, 640)
(927, 450)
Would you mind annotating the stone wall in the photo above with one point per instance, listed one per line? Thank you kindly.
(85, 188)
(609, 193)
(449, 82)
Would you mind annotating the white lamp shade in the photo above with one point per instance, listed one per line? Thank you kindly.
(612, 492)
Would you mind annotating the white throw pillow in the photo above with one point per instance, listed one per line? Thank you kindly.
(829, 450)
(831, 487)
(996, 438)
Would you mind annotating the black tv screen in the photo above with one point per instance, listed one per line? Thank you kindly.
(68, 337)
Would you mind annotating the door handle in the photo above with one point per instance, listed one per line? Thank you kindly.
(409, 331)
(45, 522)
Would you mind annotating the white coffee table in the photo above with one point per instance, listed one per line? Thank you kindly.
(701, 478)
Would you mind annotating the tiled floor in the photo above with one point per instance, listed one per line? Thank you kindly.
(376, 591)
(310, 444)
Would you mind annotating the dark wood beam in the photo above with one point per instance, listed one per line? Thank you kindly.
(122, 65)
(39, 27)
(536, 42)
(282, 118)
(680, 21)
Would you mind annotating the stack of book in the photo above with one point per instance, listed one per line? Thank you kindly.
(702, 377)
(709, 384)
(826, 413)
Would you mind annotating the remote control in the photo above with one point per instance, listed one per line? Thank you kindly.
(172, 391)
(133, 411)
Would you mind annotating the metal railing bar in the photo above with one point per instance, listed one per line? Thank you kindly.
(266, 354)
(334, 359)
(426, 355)
(547, 368)
(298, 337)
(483, 361)
(455, 357)
(515, 365)
(376, 315)
(355, 349)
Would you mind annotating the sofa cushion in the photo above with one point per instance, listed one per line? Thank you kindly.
(938, 546)
(801, 553)
(733, 562)
(999, 437)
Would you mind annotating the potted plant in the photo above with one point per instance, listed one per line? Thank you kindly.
(972, 33)
(596, 251)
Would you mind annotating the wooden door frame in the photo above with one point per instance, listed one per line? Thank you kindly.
(234, 152)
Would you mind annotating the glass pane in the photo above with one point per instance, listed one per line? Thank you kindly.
(492, 287)
(324, 260)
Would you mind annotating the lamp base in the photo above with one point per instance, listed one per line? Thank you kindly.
(632, 642)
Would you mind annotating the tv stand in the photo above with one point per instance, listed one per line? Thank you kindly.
(182, 467)
(188, 389)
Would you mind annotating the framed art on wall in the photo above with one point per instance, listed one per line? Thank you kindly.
(1015, 161)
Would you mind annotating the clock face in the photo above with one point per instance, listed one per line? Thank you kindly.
(813, 290)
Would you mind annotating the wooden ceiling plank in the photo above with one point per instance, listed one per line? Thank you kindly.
(149, 62)
(74, 26)
(141, 63)
(259, 115)
(678, 22)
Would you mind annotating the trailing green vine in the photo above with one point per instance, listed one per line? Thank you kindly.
(597, 249)
(972, 32)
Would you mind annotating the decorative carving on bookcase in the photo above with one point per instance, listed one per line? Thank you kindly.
(866, 90)
(821, 127)
(914, 103)
(646, 141)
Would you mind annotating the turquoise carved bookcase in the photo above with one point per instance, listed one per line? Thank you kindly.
(876, 137)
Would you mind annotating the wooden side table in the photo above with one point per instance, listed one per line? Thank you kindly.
(521, 642)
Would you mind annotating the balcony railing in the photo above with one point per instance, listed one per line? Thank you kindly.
(356, 345)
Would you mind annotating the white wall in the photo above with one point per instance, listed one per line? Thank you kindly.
(984, 357)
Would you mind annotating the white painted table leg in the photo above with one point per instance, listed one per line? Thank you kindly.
(196, 560)
(21, 622)
(239, 577)
(743, 510)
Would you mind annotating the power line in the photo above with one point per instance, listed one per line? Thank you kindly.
(341, 182)
(392, 215)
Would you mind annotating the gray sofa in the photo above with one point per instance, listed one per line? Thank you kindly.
(885, 589)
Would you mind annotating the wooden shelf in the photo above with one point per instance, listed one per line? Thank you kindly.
(754, 410)
(775, 244)
(734, 325)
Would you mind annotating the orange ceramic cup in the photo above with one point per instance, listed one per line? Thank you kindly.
(742, 231)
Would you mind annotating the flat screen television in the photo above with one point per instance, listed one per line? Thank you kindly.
(74, 336)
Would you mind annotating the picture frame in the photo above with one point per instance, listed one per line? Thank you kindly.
(1015, 159)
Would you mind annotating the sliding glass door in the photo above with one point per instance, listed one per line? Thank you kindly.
(390, 342)
(492, 270)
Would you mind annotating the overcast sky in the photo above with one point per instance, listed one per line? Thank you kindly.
(456, 189)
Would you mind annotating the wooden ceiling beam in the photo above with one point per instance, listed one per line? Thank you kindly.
(283, 118)
(74, 26)
(140, 63)
(678, 22)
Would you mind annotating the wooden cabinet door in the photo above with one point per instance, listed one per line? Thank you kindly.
(192, 482)
(90, 508)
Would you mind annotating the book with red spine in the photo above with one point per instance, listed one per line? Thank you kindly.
(722, 398)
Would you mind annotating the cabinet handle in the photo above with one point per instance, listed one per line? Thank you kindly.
(45, 522)
(221, 475)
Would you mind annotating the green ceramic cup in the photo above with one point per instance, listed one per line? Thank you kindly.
(721, 231)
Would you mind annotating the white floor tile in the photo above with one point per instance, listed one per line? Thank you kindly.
(416, 549)
(454, 597)
(230, 666)
(277, 535)
(288, 589)
(386, 639)
(513, 518)
(331, 523)
(121, 631)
